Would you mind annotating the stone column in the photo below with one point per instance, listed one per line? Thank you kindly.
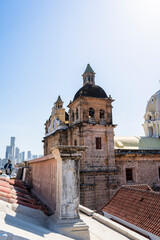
(156, 130)
(110, 145)
(66, 218)
(153, 131)
(68, 181)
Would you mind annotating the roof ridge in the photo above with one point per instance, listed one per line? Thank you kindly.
(141, 190)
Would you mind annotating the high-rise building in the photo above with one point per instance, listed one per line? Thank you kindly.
(12, 145)
(22, 156)
(29, 155)
(1, 163)
(17, 155)
(8, 152)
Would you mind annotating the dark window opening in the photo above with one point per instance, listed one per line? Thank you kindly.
(98, 143)
(129, 174)
(59, 105)
(75, 142)
(91, 113)
(73, 116)
(159, 172)
(89, 79)
(77, 113)
(101, 114)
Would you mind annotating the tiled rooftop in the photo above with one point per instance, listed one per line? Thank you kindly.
(140, 186)
(14, 191)
(138, 207)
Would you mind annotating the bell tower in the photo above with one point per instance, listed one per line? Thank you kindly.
(91, 125)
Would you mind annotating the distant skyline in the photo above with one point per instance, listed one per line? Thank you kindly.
(45, 47)
(15, 154)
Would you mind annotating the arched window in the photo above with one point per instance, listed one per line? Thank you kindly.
(72, 116)
(77, 115)
(101, 114)
(91, 113)
(75, 142)
(88, 79)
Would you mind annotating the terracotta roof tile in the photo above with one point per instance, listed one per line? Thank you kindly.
(138, 207)
(14, 191)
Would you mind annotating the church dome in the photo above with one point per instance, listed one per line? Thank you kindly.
(152, 116)
(154, 103)
(90, 90)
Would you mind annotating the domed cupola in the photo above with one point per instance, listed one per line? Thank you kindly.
(152, 116)
(89, 88)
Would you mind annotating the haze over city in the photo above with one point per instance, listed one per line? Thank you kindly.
(45, 47)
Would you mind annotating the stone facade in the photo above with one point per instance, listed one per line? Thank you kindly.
(98, 171)
(103, 167)
(145, 166)
(90, 124)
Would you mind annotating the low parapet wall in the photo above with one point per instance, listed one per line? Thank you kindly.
(55, 180)
(44, 179)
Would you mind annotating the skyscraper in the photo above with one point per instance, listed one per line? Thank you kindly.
(29, 155)
(8, 152)
(17, 155)
(22, 156)
(12, 145)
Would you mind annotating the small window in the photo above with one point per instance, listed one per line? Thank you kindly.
(73, 116)
(129, 174)
(89, 79)
(77, 115)
(91, 113)
(159, 172)
(75, 142)
(98, 143)
(101, 114)
(59, 105)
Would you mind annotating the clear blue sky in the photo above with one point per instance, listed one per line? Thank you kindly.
(45, 46)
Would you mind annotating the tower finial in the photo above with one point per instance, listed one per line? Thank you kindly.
(88, 75)
(59, 102)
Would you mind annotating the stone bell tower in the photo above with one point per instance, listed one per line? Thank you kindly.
(90, 124)
(55, 127)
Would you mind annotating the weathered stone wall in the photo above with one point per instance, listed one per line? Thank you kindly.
(55, 180)
(44, 179)
(54, 140)
(145, 166)
(98, 173)
(98, 180)
(84, 103)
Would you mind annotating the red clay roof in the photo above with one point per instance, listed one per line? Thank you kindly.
(140, 186)
(138, 207)
(14, 191)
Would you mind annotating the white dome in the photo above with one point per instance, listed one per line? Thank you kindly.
(152, 116)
